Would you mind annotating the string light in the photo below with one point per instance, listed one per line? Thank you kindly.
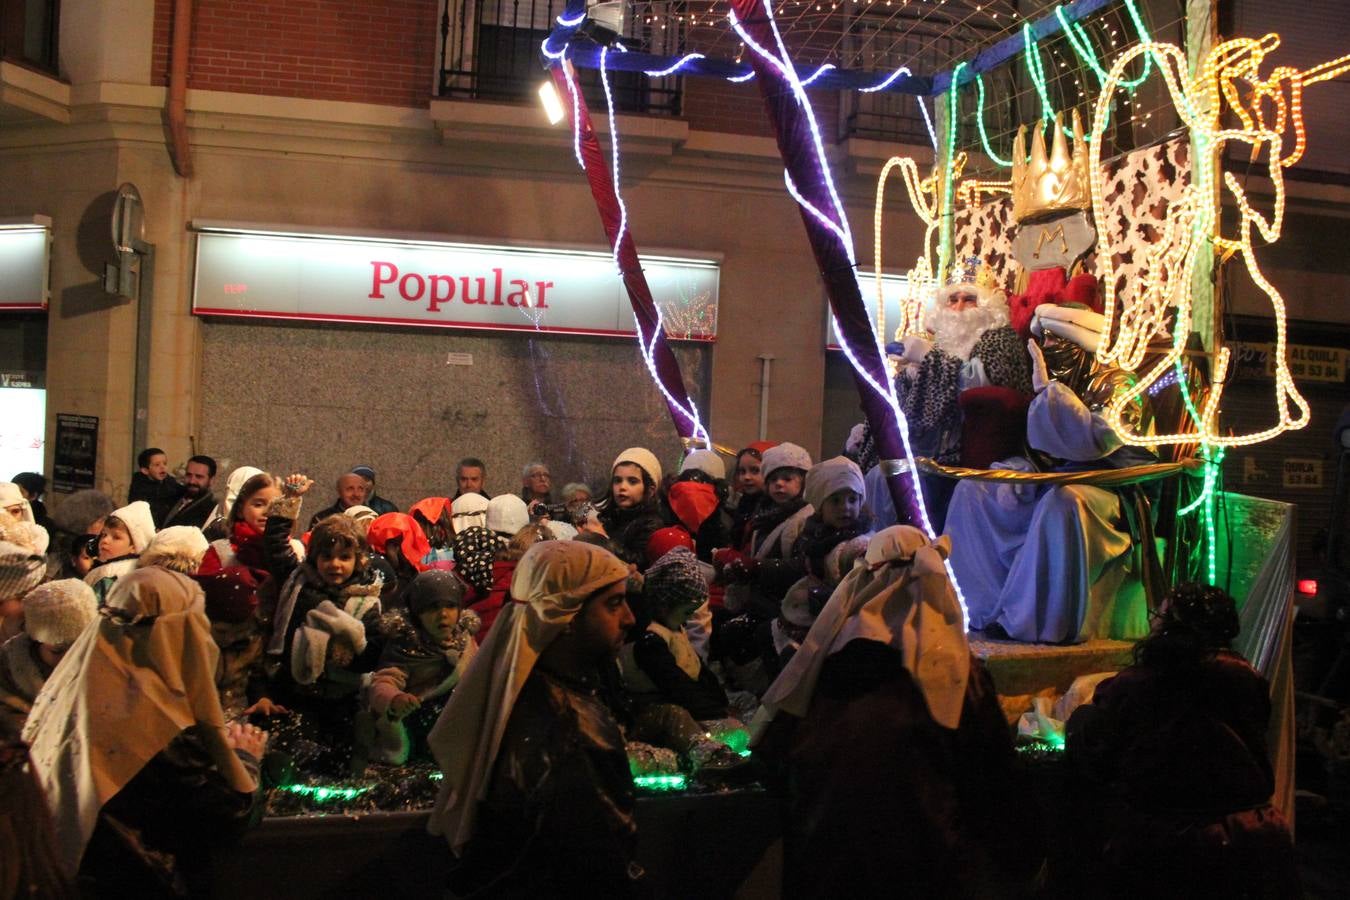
(886, 391)
(817, 73)
(614, 154)
(887, 82)
(660, 782)
(979, 123)
(948, 214)
(928, 122)
(1195, 225)
(677, 66)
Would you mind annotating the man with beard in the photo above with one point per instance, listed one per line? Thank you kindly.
(973, 346)
(197, 502)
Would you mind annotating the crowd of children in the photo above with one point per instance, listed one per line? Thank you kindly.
(670, 621)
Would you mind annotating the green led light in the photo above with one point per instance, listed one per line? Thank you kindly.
(948, 171)
(324, 793)
(660, 782)
(979, 123)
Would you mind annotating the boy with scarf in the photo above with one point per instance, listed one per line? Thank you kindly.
(428, 649)
(326, 631)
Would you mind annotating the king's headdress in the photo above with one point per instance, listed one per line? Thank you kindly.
(1049, 184)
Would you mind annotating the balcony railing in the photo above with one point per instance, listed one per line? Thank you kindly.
(490, 51)
(28, 32)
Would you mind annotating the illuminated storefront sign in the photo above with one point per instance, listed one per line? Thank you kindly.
(24, 247)
(893, 289)
(272, 273)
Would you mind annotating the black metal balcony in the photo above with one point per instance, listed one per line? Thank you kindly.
(28, 31)
(490, 51)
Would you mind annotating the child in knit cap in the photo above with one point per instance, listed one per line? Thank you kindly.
(22, 568)
(178, 548)
(125, 534)
(429, 648)
(55, 614)
(681, 704)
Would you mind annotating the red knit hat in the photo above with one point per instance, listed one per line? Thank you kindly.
(666, 539)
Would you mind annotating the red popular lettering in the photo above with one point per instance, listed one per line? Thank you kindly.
(440, 289)
(377, 280)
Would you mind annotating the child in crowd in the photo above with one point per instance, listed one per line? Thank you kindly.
(326, 630)
(398, 550)
(243, 543)
(697, 497)
(427, 651)
(125, 534)
(770, 533)
(433, 515)
(835, 490)
(503, 566)
(631, 509)
(232, 600)
(178, 548)
(22, 568)
(468, 511)
(54, 614)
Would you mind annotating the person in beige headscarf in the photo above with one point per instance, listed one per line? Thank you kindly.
(129, 742)
(537, 795)
(898, 752)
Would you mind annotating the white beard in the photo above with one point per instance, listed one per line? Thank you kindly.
(957, 331)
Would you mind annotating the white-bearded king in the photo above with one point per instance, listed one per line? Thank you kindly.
(973, 346)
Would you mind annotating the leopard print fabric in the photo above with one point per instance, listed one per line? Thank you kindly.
(1140, 189)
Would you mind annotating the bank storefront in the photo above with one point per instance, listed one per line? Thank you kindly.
(407, 352)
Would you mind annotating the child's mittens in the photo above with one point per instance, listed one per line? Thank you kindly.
(402, 704)
(385, 685)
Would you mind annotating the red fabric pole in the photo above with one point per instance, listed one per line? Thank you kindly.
(639, 294)
(796, 144)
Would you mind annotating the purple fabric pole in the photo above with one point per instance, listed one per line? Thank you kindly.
(639, 293)
(796, 145)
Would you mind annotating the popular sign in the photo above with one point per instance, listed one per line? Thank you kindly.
(407, 282)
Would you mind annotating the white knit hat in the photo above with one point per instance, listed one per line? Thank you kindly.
(21, 570)
(644, 459)
(707, 462)
(785, 456)
(832, 476)
(363, 514)
(56, 612)
(178, 547)
(507, 514)
(140, 524)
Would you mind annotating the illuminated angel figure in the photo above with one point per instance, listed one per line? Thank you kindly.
(1228, 80)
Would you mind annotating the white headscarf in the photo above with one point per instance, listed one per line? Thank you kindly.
(123, 691)
(233, 485)
(11, 497)
(898, 595)
(551, 584)
(468, 510)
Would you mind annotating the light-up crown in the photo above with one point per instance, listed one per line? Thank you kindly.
(1060, 183)
(972, 270)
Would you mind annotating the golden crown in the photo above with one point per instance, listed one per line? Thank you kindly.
(1043, 185)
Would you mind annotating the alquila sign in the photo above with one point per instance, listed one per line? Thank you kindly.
(271, 272)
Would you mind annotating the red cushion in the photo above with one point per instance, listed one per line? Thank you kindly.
(994, 425)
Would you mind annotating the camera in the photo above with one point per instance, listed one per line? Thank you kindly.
(555, 511)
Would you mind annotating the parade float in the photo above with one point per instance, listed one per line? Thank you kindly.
(1080, 158)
